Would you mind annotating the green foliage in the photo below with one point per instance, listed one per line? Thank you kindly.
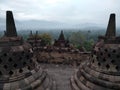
(88, 44)
(77, 38)
(45, 38)
(24, 36)
(80, 40)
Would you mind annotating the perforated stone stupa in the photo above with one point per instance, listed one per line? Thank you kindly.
(61, 42)
(102, 71)
(18, 68)
(34, 39)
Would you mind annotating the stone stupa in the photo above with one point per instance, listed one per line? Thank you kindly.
(34, 39)
(61, 42)
(18, 69)
(102, 70)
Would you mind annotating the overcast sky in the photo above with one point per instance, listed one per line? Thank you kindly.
(69, 11)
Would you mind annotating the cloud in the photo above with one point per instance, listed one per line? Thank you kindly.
(69, 11)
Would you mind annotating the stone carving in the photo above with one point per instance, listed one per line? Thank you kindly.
(34, 40)
(102, 70)
(18, 68)
(61, 42)
(10, 25)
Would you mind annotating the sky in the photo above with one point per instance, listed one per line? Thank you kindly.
(67, 11)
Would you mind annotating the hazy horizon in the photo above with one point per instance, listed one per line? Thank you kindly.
(72, 12)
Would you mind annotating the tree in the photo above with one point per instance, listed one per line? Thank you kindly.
(88, 44)
(45, 39)
(77, 38)
(80, 40)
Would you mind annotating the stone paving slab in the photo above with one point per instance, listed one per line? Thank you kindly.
(61, 74)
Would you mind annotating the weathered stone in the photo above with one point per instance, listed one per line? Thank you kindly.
(34, 40)
(111, 29)
(61, 42)
(102, 70)
(18, 68)
(10, 25)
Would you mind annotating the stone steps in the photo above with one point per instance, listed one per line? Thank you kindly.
(73, 84)
(48, 84)
(84, 81)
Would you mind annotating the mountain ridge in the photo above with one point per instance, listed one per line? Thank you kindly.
(44, 24)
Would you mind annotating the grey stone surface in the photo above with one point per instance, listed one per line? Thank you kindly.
(111, 29)
(61, 74)
(61, 41)
(102, 70)
(18, 68)
(10, 25)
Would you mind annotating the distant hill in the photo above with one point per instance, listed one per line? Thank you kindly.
(42, 24)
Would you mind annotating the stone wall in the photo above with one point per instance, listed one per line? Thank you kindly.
(57, 57)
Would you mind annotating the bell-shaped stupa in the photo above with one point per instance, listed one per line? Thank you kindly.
(102, 70)
(18, 69)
